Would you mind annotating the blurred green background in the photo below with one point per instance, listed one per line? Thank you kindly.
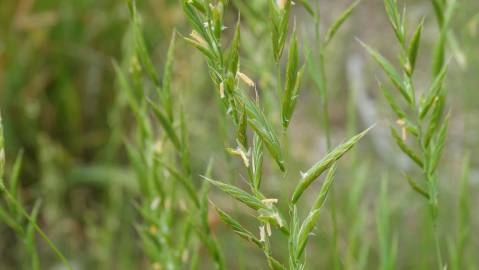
(61, 106)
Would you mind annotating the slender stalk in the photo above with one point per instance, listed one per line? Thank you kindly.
(52, 246)
(437, 245)
(323, 90)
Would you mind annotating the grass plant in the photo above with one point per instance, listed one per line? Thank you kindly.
(150, 134)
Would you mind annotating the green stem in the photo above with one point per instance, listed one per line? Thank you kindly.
(327, 130)
(438, 245)
(37, 228)
(324, 102)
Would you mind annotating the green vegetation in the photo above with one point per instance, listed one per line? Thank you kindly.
(151, 134)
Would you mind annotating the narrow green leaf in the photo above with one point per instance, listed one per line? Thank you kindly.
(326, 186)
(314, 172)
(283, 27)
(440, 46)
(237, 227)
(293, 239)
(37, 228)
(406, 150)
(199, 5)
(166, 87)
(275, 264)
(415, 186)
(139, 166)
(15, 175)
(435, 119)
(125, 86)
(2, 154)
(7, 218)
(257, 161)
(439, 145)
(279, 17)
(166, 124)
(395, 19)
(439, 55)
(184, 180)
(184, 152)
(216, 16)
(414, 47)
(140, 46)
(392, 102)
(434, 91)
(275, 17)
(204, 50)
(438, 6)
(339, 22)
(308, 7)
(387, 244)
(306, 227)
(30, 237)
(390, 72)
(241, 130)
(314, 213)
(293, 77)
(257, 120)
(238, 194)
(234, 51)
(193, 17)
